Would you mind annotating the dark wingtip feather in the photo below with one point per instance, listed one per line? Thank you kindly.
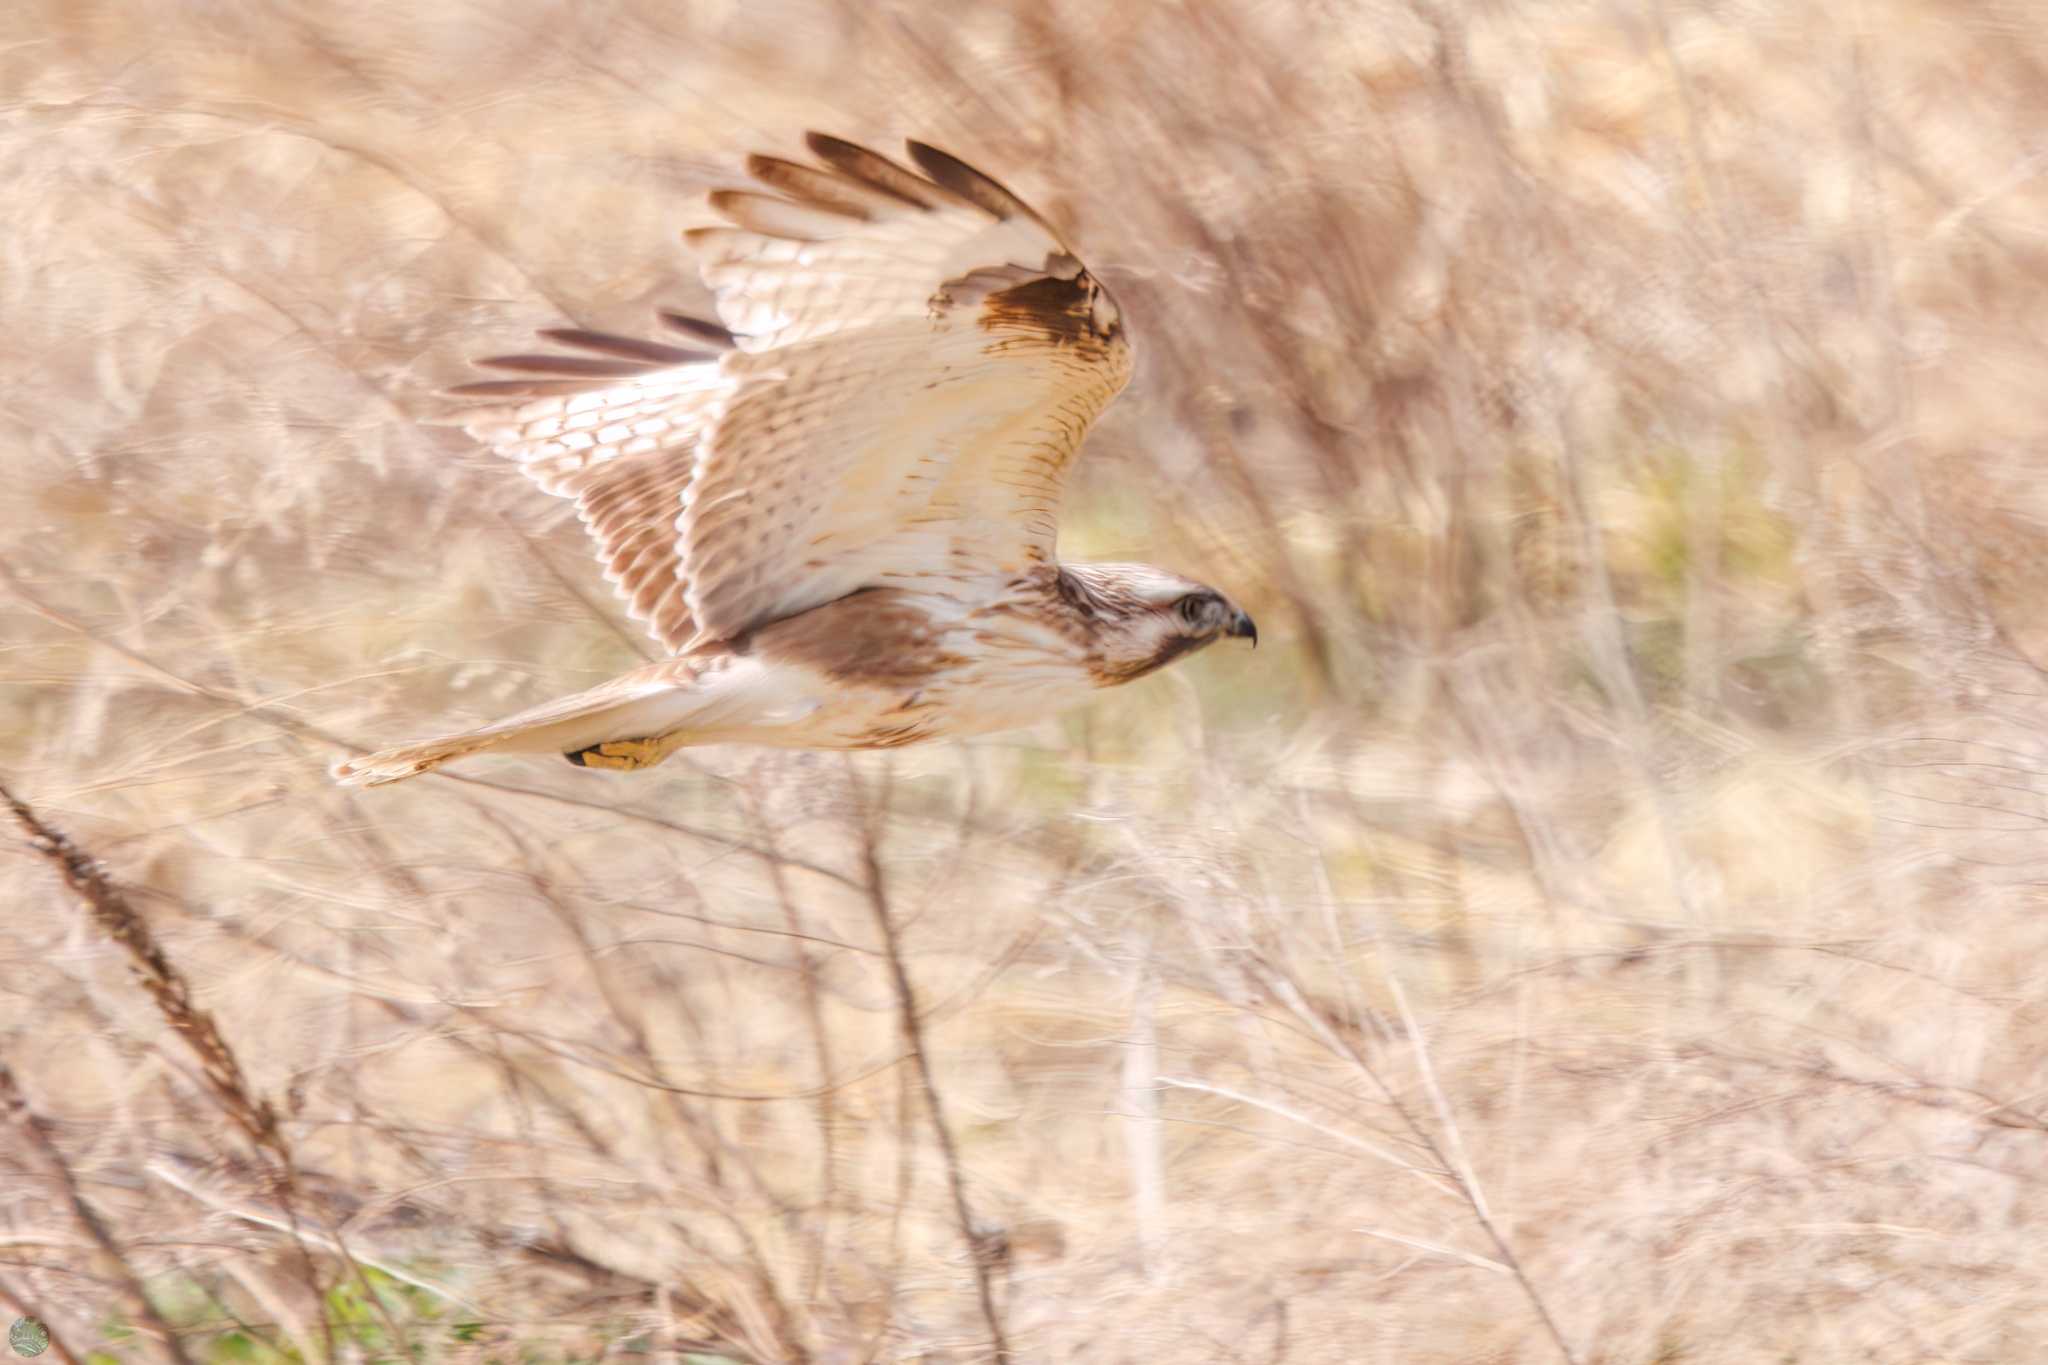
(817, 189)
(702, 329)
(962, 179)
(828, 146)
(586, 367)
(517, 388)
(624, 347)
(876, 171)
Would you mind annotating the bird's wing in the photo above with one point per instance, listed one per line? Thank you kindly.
(615, 423)
(918, 358)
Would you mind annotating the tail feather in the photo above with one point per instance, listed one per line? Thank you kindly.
(410, 760)
(656, 699)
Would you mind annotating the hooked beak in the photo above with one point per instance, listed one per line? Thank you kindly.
(1241, 626)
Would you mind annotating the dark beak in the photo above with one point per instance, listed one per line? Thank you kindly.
(1241, 626)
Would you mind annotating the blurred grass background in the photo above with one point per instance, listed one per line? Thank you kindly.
(1601, 922)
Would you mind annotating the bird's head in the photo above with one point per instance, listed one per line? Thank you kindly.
(1139, 618)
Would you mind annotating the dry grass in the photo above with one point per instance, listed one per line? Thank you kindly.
(1600, 923)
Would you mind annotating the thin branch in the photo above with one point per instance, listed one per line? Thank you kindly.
(821, 1046)
(36, 1129)
(1436, 1249)
(981, 1247)
(219, 1069)
(1283, 989)
(1140, 1085)
(168, 1172)
(1279, 1110)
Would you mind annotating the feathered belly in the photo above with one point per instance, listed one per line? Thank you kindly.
(972, 702)
(888, 668)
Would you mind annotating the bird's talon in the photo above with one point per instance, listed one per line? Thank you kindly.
(619, 755)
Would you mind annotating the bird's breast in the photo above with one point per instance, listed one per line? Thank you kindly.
(893, 666)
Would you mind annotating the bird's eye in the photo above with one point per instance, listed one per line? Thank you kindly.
(1194, 606)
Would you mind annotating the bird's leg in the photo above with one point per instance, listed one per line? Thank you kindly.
(623, 755)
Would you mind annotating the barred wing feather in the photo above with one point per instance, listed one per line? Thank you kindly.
(918, 358)
(615, 423)
(905, 368)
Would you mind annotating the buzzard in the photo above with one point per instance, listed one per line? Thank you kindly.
(836, 507)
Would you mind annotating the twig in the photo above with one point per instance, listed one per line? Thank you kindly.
(1437, 1249)
(36, 1129)
(980, 1246)
(1283, 989)
(1141, 1106)
(821, 1046)
(169, 1174)
(221, 1072)
(761, 1316)
(1279, 1110)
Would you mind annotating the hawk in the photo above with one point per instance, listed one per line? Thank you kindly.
(836, 507)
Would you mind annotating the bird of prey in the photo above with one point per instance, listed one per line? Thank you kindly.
(836, 507)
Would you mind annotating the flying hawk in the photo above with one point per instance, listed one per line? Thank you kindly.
(836, 508)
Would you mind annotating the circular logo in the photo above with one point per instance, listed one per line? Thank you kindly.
(28, 1337)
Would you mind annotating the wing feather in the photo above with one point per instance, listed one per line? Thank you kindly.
(808, 184)
(970, 184)
(918, 358)
(570, 366)
(876, 171)
(773, 217)
(613, 422)
(628, 348)
(704, 330)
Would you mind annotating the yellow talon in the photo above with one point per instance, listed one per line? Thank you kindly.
(620, 755)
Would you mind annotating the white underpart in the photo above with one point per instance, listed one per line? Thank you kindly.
(743, 699)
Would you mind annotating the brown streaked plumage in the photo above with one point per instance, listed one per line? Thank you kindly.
(837, 505)
(876, 637)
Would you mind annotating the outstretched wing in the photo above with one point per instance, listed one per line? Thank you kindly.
(918, 359)
(907, 366)
(615, 423)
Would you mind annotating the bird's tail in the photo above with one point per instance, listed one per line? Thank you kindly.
(410, 760)
(649, 701)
